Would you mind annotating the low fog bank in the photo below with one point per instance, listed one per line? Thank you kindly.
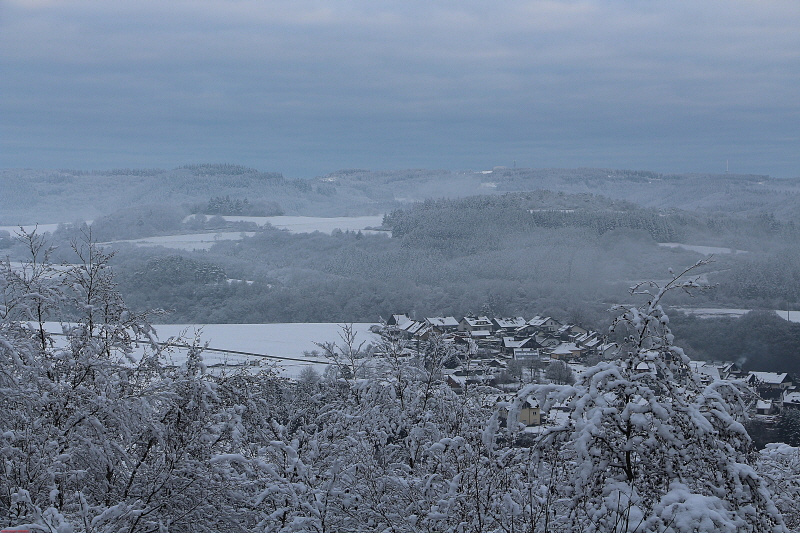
(508, 242)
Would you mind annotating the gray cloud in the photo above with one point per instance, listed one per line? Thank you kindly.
(306, 87)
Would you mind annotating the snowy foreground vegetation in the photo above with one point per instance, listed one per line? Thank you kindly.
(93, 439)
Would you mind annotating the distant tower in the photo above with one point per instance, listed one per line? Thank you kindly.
(727, 170)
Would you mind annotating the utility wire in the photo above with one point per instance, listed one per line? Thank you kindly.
(234, 352)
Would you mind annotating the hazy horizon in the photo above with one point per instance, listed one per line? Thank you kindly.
(309, 87)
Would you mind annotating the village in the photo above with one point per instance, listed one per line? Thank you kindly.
(504, 353)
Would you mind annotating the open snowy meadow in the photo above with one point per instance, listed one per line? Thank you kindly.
(278, 344)
(281, 342)
(705, 250)
(187, 241)
(204, 241)
(301, 224)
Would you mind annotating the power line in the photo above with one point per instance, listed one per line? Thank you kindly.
(234, 352)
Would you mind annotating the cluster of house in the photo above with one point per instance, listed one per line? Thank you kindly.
(773, 391)
(508, 338)
(489, 344)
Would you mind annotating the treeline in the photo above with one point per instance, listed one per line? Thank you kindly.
(510, 253)
(6, 240)
(478, 216)
(759, 340)
(137, 222)
(565, 272)
(164, 219)
(225, 205)
(771, 280)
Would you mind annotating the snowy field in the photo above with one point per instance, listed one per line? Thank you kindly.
(705, 250)
(791, 316)
(298, 224)
(19, 266)
(700, 312)
(41, 228)
(293, 224)
(703, 312)
(189, 242)
(204, 241)
(276, 340)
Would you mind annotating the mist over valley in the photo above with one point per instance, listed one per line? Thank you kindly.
(231, 244)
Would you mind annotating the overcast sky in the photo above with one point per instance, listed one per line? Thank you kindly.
(309, 87)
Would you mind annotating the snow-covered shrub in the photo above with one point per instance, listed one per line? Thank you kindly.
(92, 438)
(779, 466)
(646, 446)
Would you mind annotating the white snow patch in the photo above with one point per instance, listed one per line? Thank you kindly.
(247, 281)
(41, 228)
(19, 266)
(791, 316)
(299, 224)
(189, 241)
(280, 340)
(276, 340)
(700, 312)
(708, 312)
(705, 250)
